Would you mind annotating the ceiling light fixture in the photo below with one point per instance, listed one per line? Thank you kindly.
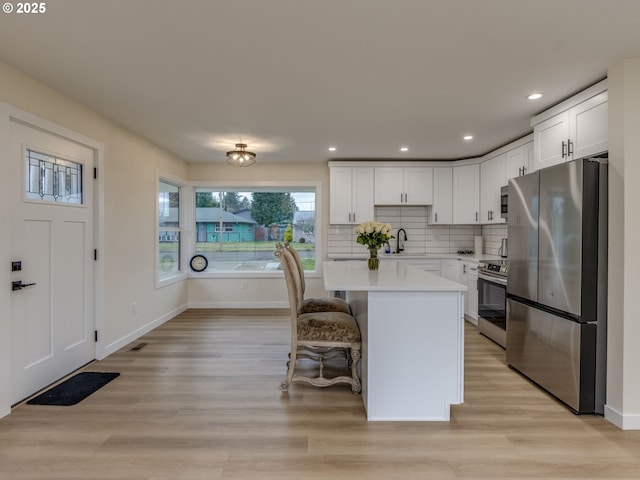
(534, 96)
(240, 157)
(404, 149)
(467, 137)
(332, 149)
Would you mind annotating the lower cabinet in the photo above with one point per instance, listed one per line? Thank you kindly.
(431, 266)
(469, 277)
(450, 269)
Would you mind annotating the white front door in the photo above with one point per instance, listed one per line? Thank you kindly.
(52, 238)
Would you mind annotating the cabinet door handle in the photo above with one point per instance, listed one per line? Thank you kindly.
(520, 171)
(436, 217)
(405, 198)
(400, 198)
(564, 149)
(524, 170)
(354, 217)
(569, 148)
(476, 216)
(464, 268)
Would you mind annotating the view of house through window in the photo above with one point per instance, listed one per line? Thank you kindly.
(237, 229)
(168, 229)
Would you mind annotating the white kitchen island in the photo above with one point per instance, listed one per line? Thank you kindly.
(412, 326)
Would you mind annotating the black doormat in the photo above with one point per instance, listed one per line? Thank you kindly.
(73, 390)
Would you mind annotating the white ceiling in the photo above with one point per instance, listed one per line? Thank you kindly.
(293, 77)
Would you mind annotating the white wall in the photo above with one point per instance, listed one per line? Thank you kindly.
(623, 354)
(127, 254)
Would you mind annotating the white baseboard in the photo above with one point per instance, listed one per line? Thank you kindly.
(247, 304)
(620, 420)
(118, 344)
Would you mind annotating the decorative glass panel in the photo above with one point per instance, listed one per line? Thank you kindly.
(51, 179)
(168, 252)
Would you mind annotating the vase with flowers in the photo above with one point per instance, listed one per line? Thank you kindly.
(373, 235)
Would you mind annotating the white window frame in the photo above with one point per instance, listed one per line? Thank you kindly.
(256, 187)
(183, 192)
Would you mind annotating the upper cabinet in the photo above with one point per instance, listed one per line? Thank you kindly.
(466, 194)
(350, 195)
(442, 210)
(519, 161)
(403, 185)
(492, 178)
(575, 128)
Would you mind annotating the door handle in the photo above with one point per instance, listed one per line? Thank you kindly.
(18, 285)
(564, 149)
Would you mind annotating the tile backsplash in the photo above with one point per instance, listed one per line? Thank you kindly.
(421, 238)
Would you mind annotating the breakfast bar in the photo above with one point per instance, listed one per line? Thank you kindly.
(411, 322)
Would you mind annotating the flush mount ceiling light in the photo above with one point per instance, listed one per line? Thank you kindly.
(404, 149)
(467, 137)
(240, 157)
(332, 149)
(534, 96)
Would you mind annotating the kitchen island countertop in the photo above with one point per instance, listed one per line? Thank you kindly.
(393, 275)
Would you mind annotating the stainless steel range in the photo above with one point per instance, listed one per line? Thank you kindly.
(492, 300)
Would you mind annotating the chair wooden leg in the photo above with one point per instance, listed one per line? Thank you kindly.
(284, 386)
(356, 386)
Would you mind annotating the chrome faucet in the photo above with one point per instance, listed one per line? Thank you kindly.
(399, 246)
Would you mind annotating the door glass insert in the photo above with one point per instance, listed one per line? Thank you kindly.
(52, 179)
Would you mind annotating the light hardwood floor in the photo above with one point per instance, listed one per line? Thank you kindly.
(201, 400)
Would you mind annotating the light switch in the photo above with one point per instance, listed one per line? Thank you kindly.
(16, 266)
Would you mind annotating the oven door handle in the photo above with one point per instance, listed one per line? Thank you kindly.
(492, 279)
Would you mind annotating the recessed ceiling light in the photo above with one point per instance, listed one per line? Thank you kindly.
(534, 96)
(332, 149)
(404, 149)
(467, 137)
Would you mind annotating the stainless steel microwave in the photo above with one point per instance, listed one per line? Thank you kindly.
(504, 201)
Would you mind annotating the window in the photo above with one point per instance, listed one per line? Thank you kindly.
(51, 179)
(169, 228)
(236, 229)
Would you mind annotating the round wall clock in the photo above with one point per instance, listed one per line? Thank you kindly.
(198, 263)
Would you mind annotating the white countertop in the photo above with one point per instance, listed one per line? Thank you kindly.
(393, 275)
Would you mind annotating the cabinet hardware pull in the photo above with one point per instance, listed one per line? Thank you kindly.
(564, 147)
(520, 171)
(464, 268)
(436, 217)
(405, 198)
(476, 216)
(400, 198)
(524, 170)
(569, 148)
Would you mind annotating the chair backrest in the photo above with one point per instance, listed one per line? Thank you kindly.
(292, 278)
(298, 260)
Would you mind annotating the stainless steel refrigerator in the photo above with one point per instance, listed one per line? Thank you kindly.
(557, 281)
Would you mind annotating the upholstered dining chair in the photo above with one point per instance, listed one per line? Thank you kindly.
(318, 335)
(315, 304)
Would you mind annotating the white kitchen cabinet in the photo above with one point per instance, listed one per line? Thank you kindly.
(350, 195)
(441, 211)
(450, 269)
(492, 179)
(466, 194)
(519, 161)
(403, 185)
(470, 279)
(576, 128)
